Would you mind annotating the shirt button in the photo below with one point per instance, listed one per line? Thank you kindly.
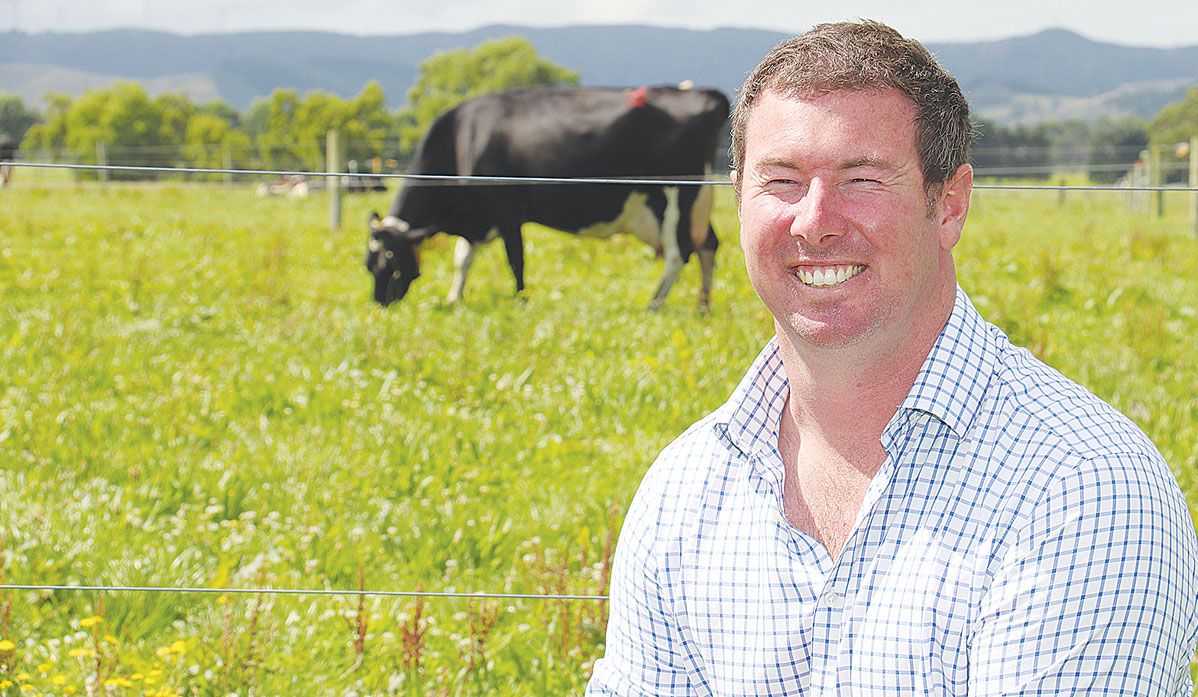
(832, 600)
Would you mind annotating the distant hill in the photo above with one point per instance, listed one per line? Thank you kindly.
(1049, 75)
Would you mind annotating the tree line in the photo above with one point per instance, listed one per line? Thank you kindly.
(1104, 149)
(123, 125)
(287, 130)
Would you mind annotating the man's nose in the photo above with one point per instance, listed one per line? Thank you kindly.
(817, 219)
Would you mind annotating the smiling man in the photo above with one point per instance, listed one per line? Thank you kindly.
(895, 500)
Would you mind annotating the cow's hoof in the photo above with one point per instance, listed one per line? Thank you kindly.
(704, 308)
(656, 304)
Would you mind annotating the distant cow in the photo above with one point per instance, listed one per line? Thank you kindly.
(661, 132)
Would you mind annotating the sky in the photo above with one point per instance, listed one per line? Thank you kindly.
(1159, 23)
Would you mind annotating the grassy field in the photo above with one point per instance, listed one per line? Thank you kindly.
(196, 391)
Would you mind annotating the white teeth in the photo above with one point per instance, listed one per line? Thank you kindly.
(828, 276)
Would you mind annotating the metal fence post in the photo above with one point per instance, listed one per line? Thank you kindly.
(1156, 178)
(333, 160)
(1194, 185)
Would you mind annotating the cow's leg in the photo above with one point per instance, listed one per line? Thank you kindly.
(513, 244)
(703, 240)
(669, 248)
(707, 267)
(463, 256)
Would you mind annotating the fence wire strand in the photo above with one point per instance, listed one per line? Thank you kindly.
(699, 180)
(301, 591)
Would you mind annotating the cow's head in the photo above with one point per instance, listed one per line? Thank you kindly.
(391, 257)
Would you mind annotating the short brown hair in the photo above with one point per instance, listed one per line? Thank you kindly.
(865, 55)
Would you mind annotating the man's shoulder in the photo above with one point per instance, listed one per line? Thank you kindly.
(1039, 400)
(692, 458)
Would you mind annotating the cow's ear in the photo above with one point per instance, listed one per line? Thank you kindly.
(374, 222)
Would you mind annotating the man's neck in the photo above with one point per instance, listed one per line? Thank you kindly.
(844, 396)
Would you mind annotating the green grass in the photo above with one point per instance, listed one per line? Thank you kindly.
(196, 390)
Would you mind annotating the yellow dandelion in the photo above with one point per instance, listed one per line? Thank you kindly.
(44, 668)
(137, 676)
(6, 645)
(69, 690)
(155, 672)
(163, 651)
(90, 621)
(58, 680)
(22, 677)
(5, 684)
(81, 653)
(178, 647)
(221, 600)
(26, 687)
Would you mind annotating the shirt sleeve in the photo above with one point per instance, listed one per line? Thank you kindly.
(644, 652)
(1099, 593)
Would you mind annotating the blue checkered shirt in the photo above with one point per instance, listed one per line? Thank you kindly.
(1022, 538)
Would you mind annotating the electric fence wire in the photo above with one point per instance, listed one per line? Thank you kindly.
(298, 591)
(509, 180)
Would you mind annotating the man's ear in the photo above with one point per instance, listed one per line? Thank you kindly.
(735, 177)
(954, 205)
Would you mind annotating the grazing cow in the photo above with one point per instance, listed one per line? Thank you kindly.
(661, 132)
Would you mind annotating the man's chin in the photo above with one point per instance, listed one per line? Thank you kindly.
(825, 332)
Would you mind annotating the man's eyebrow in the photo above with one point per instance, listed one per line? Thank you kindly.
(787, 163)
(868, 162)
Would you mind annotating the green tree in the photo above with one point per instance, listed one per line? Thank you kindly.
(1170, 134)
(119, 123)
(1177, 122)
(368, 124)
(1068, 143)
(273, 124)
(1115, 145)
(176, 111)
(450, 77)
(15, 118)
(291, 132)
(1012, 151)
(51, 134)
(222, 110)
(211, 142)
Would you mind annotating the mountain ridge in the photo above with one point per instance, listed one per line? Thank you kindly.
(1020, 79)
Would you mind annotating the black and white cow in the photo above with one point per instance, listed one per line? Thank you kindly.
(648, 133)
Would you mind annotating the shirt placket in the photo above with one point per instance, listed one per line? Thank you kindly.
(831, 661)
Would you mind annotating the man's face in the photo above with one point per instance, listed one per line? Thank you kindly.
(835, 224)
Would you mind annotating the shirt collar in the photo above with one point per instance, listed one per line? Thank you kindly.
(950, 384)
(751, 415)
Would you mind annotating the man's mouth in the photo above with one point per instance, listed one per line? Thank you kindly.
(823, 276)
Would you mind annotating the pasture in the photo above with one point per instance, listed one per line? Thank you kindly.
(195, 390)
